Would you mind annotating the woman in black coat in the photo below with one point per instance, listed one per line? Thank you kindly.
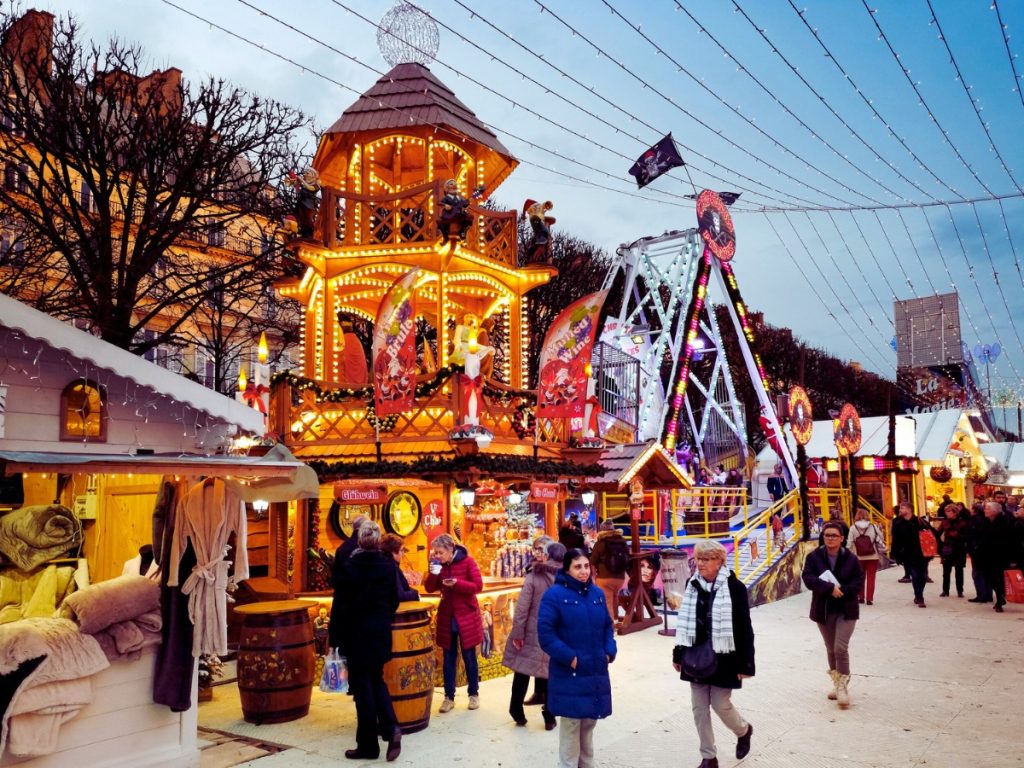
(834, 575)
(369, 585)
(715, 609)
(953, 548)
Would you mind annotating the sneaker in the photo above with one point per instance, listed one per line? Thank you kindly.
(871, 602)
(474, 702)
(446, 706)
(904, 580)
(998, 608)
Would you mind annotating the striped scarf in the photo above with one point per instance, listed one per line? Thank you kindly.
(722, 640)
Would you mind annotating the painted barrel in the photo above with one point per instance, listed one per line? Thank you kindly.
(410, 673)
(276, 664)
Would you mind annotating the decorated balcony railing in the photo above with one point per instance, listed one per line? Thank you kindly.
(309, 413)
(409, 217)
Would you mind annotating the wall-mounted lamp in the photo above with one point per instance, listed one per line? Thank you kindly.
(260, 507)
(467, 496)
(588, 497)
(515, 497)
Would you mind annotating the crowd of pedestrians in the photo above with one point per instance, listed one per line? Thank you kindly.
(562, 634)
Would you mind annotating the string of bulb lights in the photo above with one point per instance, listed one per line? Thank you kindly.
(681, 69)
(805, 208)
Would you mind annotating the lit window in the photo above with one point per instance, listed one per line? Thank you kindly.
(83, 410)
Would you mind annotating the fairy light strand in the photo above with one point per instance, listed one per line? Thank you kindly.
(673, 103)
(681, 69)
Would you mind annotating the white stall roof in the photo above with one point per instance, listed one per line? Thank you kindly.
(1009, 455)
(84, 346)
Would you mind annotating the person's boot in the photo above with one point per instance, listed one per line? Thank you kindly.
(835, 682)
(842, 693)
(743, 743)
(535, 698)
(394, 745)
(708, 762)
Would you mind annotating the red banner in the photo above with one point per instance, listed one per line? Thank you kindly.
(433, 520)
(394, 348)
(562, 389)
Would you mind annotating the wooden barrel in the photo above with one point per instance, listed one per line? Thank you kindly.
(410, 673)
(275, 661)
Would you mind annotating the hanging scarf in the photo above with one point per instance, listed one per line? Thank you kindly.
(722, 640)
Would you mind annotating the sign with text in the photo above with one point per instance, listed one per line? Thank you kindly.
(544, 493)
(360, 494)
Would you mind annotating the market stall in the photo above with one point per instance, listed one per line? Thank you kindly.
(90, 436)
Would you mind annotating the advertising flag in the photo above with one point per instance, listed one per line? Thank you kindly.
(660, 158)
(562, 385)
(394, 348)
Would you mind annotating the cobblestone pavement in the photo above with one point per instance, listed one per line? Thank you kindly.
(934, 688)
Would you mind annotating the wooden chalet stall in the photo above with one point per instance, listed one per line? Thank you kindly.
(87, 432)
(462, 453)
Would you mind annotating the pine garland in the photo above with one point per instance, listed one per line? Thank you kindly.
(486, 464)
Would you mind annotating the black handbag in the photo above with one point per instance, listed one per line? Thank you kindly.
(699, 661)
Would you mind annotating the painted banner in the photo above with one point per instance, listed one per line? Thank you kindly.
(394, 348)
(562, 388)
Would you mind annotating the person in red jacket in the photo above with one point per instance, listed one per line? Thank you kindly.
(456, 576)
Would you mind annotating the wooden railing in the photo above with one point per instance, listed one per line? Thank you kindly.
(788, 508)
(409, 218)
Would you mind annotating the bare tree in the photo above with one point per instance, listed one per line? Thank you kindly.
(137, 200)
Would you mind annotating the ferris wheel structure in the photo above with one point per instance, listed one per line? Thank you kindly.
(667, 322)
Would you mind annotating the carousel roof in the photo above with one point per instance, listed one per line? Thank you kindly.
(649, 460)
(411, 92)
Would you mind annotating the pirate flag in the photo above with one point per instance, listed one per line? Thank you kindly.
(660, 158)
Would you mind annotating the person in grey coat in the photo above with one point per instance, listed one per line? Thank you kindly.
(523, 654)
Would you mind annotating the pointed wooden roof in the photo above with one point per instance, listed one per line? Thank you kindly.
(412, 91)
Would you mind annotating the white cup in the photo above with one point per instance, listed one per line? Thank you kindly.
(435, 568)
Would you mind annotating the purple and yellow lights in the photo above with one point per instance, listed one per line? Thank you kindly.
(700, 291)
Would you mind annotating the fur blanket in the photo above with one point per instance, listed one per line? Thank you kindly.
(54, 691)
(105, 603)
(37, 594)
(32, 535)
(125, 640)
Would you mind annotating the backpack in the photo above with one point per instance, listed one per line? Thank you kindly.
(616, 555)
(929, 546)
(864, 544)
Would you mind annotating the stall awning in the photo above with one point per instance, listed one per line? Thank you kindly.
(278, 476)
(85, 346)
(649, 461)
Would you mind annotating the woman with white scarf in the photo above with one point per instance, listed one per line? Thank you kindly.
(715, 610)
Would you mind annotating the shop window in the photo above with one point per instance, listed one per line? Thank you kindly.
(83, 412)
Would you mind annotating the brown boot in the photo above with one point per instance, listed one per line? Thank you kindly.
(835, 682)
(842, 694)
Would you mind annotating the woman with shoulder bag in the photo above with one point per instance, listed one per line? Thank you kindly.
(865, 541)
(716, 648)
(834, 576)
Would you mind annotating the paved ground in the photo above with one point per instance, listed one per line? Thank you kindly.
(933, 688)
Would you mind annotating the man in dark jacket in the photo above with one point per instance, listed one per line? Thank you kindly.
(992, 549)
(982, 589)
(367, 580)
(906, 548)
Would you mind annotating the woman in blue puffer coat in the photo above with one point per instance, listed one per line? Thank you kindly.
(576, 631)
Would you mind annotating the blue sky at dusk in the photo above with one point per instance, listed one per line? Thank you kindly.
(860, 183)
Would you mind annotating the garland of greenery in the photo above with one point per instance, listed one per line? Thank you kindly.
(486, 464)
(423, 388)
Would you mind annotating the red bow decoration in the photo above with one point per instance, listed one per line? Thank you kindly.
(253, 397)
(470, 381)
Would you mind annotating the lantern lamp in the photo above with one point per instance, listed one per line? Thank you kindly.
(515, 498)
(467, 496)
(588, 497)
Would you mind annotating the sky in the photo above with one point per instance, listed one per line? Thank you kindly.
(876, 144)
